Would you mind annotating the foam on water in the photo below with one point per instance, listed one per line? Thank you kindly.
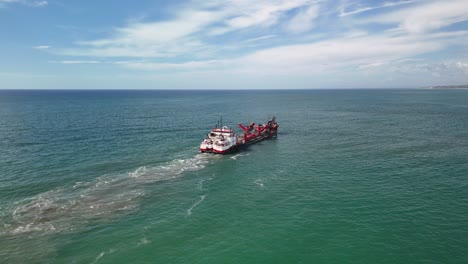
(99, 257)
(189, 211)
(172, 169)
(259, 182)
(201, 181)
(65, 209)
(239, 155)
(102, 254)
(144, 241)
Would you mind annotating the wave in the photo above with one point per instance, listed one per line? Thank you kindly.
(68, 208)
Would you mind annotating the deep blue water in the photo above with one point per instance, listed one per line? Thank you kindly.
(355, 176)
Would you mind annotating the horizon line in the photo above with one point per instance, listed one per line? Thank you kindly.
(216, 89)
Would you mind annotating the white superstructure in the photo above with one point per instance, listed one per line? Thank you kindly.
(219, 140)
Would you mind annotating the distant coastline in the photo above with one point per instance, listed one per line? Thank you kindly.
(449, 87)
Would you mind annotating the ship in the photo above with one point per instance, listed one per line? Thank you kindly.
(223, 139)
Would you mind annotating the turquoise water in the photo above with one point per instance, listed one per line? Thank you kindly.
(355, 176)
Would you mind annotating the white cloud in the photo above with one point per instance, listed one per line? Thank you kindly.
(156, 39)
(5, 2)
(439, 69)
(259, 13)
(370, 8)
(38, 3)
(337, 53)
(143, 34)
(259, 38)
(226, 38)
(24, 2)
(186, 31)
(76, 62)
(463, 66)
(42, 47)
(304, 20)
(422, 72)
(425, 17)
(371, 65)
(185, 66)
(357, 53)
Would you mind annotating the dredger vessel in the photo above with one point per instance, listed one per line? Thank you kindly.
(223, 139)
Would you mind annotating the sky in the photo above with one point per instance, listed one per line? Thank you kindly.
(232, 44)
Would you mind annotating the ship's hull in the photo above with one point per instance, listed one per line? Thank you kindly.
(224, 151)
(239, 146)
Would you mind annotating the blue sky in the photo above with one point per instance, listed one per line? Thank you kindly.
(232, 44)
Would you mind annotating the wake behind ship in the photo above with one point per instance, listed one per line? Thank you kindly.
(223, 139)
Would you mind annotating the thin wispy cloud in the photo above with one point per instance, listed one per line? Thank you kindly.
(41, 47)
(76, 62)
(185, 66)
(303, 21)
(191, 26)
(31, 3)
(259, 38)
(370, 8)
(425, 17)
(344, 52)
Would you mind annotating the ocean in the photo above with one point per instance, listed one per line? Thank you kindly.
(354, 176)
